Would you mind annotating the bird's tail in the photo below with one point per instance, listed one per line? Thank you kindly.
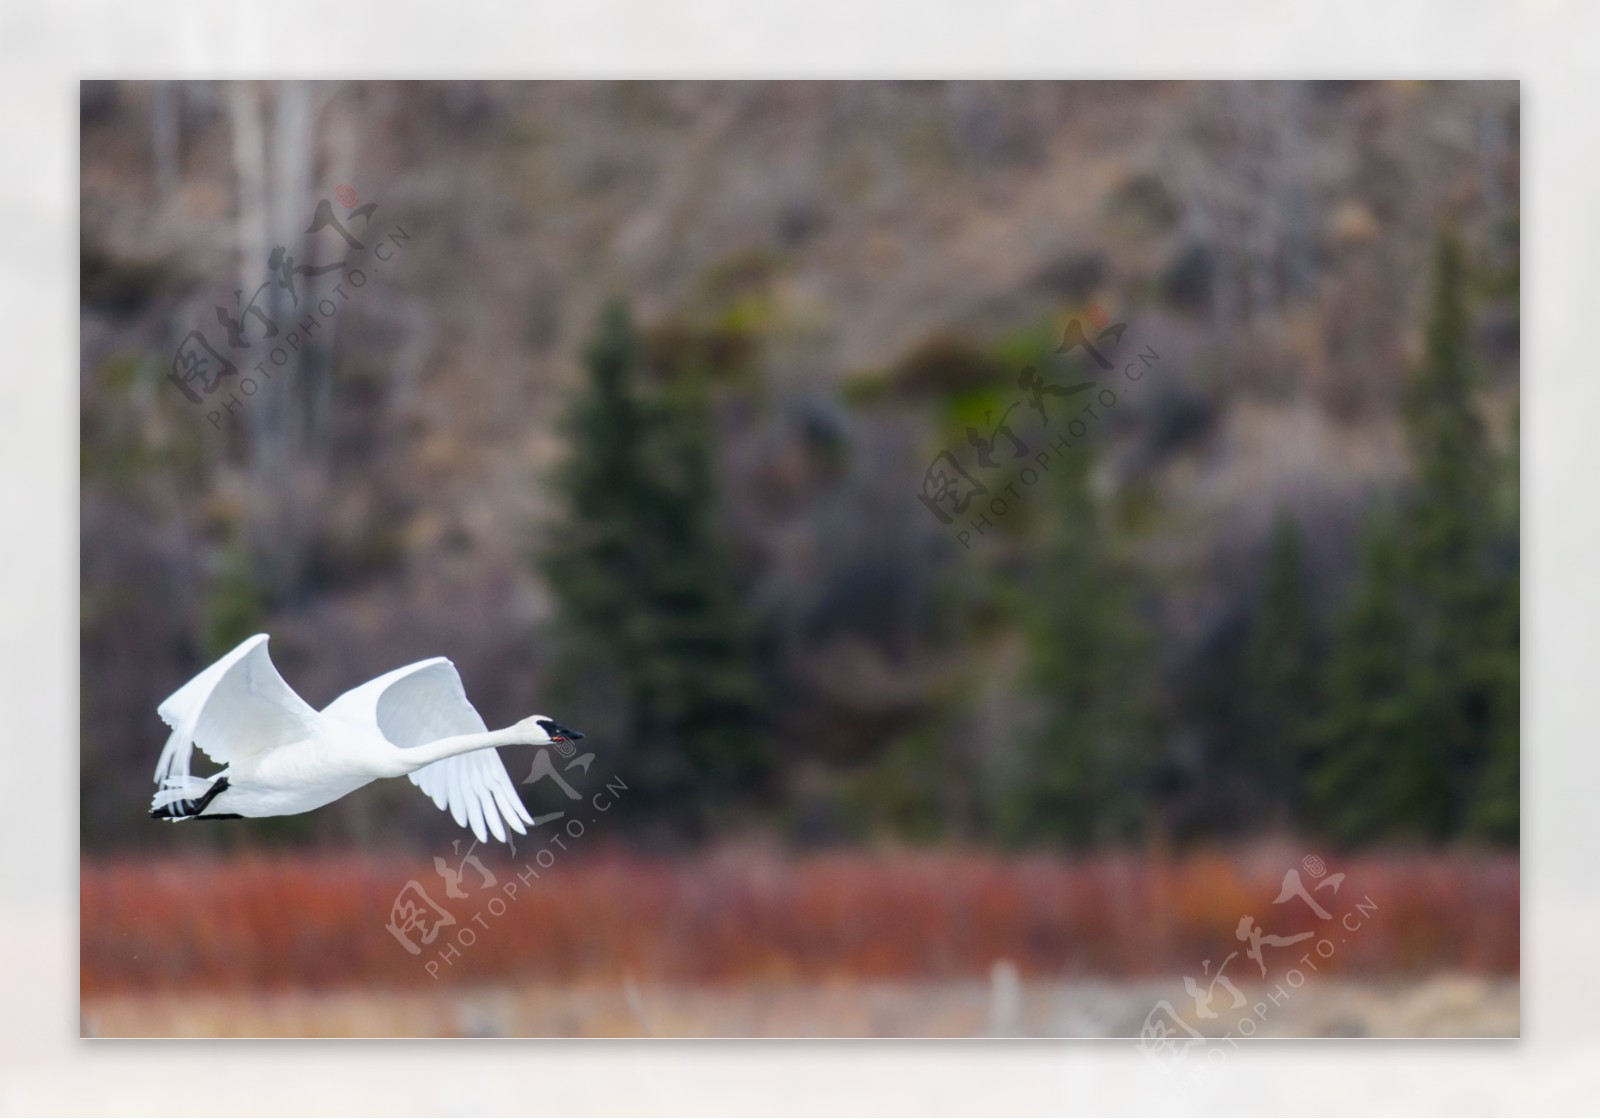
(170, 801)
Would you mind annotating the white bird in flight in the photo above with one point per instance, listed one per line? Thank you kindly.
(281, 757)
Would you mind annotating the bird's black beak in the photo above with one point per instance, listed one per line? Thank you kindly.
(559, 733)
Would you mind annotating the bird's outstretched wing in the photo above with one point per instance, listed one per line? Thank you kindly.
(424, 702)
(237, 708)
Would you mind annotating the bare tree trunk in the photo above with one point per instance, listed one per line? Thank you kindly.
(1209, 220)
(1298, 238)
(1493, 140)
(250, 168)
(290, 205)
(166, 120)
(1255, 204)
(284, 416)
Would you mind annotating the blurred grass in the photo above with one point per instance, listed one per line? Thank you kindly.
(1442, 1006)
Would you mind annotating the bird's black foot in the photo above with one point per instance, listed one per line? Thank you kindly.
(185, 809)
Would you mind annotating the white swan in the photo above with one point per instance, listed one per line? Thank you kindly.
(282, 757)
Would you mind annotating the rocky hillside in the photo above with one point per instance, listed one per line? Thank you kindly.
(845, 251)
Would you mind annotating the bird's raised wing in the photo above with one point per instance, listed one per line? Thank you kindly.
(237, 708)
(424, 702)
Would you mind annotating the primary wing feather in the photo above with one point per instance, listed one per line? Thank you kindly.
(424, 702)
(237, 708)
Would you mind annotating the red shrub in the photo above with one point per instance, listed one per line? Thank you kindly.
(320, 921)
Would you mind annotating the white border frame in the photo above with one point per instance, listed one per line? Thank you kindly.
(44, 50)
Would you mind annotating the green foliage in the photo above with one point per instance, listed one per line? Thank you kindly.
(1496, 809)
(1496, 812)
(907, 791)
(656, 652)
(1281, 681)
(1084, 776)
(235, 606)
(1380, 772)
(1421, 737)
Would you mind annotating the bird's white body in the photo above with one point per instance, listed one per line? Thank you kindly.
(282, 757)
(299, 777)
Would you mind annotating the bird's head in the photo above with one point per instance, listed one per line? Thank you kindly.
(541, 729)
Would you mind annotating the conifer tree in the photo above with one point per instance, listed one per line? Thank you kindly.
(653, 645)
(1280, 679)
(1381, 772)
(1496, 812)
(1432, 752)
(1084, 776)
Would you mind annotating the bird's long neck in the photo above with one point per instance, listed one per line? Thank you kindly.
(440, 748)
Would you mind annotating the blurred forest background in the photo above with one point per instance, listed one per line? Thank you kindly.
(633, 421)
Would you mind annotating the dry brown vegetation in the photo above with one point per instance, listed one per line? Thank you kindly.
(291, 922)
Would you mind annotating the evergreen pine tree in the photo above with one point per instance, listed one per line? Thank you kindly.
(1496, 812)
(1280, 678)
(1085, 776)
(1432, 751)
(1380, 771)
(1449, 542)
(654, 648)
